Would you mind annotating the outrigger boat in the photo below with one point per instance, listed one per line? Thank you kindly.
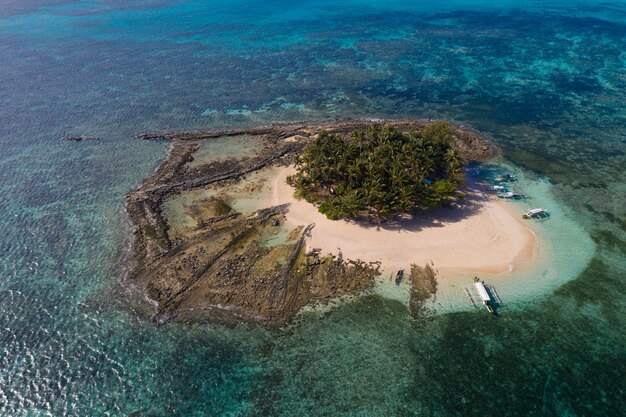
(399, 276)
(536, 213)
(506, 178)
(484, 295)
(497, 189)
(512, 195)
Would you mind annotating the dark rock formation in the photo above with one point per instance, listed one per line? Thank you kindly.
(80, 138)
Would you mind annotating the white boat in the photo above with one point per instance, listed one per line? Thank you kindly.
(497, 188)
(536, 213)
(483, 294)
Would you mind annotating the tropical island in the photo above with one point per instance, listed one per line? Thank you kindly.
(218, 234)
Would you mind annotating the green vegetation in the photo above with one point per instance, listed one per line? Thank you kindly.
(378, 173)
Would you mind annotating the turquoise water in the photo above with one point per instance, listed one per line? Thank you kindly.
(564, 249)
(545, 80)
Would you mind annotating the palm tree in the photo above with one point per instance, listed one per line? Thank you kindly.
(379, 171)
(454, 162)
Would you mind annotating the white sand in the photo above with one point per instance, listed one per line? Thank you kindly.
(482, 235)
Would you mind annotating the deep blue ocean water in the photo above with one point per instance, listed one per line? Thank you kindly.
(546, 80)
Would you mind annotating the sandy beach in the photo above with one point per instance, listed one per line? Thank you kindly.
(481, 235)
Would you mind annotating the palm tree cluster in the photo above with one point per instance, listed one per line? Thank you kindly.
(378, 173)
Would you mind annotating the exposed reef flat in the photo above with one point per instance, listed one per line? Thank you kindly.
(201, 254)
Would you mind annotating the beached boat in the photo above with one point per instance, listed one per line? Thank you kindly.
(497, 189)
(536, 213)
(399, 277)
(506, 178)
(484, 295)
(512, 195)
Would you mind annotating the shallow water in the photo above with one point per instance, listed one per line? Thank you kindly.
(226, 147)
(544, 80)
(564, 251)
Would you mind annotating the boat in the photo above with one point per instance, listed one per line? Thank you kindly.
(484, 295)
(399, 277)
(497, 189)
(506, 178)
(536, 213)
(512, 195)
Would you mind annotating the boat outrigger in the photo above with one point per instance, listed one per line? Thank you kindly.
(536, 213)
(484, 295)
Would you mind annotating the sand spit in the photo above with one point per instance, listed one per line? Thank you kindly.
(478, 235)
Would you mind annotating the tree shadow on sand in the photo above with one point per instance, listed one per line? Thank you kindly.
(472, 203)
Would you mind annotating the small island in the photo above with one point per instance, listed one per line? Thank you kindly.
(219, 236)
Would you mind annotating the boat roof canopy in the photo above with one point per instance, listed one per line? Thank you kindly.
(482, 291)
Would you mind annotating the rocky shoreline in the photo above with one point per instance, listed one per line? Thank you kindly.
(221, 270)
